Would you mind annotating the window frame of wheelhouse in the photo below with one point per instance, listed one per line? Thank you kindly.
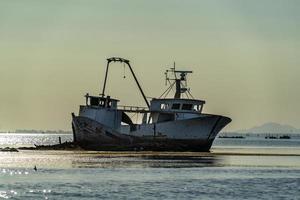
(162, 110)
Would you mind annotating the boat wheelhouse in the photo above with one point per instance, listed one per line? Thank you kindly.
(175, 109)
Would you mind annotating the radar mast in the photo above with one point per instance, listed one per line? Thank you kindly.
(178, 79)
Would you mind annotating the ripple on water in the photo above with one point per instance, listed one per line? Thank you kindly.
(77, 176)
(153, 183)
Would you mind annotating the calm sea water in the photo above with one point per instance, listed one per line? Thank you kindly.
(251, 168)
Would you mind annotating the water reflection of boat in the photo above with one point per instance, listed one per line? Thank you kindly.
(167, 123)
(148, 160)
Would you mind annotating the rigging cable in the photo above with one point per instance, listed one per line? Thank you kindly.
(190, 94)
(124, 75)
(167, 90)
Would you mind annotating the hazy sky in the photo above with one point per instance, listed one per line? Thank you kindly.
(245, 56)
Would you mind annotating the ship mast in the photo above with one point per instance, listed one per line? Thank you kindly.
(179, 80)
(122, 60)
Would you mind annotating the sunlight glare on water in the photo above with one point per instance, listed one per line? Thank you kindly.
(232, 171)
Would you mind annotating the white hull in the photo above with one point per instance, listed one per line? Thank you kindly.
(203, 127)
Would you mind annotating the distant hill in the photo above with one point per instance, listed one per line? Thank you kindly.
(271, 128)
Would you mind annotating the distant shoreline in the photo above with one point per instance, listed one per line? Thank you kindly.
(237, 134)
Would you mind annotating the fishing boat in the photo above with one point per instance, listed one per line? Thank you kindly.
(174, 123)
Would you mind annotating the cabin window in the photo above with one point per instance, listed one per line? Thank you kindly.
(101, 103)
(164, 106)
(176, 106)
(94, 101)
(187, 106)
(197, 108)
(113, 104)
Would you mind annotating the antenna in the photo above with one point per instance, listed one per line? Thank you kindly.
(180, 83)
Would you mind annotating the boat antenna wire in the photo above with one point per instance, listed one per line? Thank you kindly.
(190, 93)
(187, 92)
(167, 91)
(122, 60)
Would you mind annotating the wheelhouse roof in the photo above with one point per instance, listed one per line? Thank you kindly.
(101, 98)
(173, 100)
